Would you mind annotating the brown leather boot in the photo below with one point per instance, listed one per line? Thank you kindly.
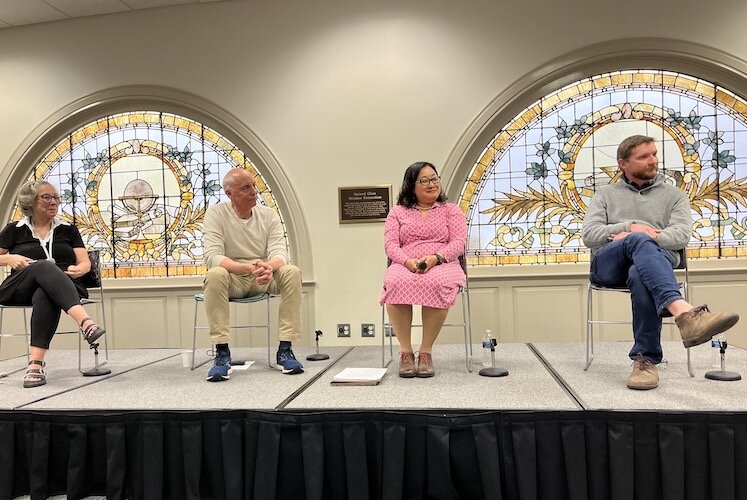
(644, 376)
(698, 325)
(425, 365)
(406, 365)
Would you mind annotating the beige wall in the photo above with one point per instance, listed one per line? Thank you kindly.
(346, 93)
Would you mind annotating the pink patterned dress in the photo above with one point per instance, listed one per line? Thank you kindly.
(407, 235)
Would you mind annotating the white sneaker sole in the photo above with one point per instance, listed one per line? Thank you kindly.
(288, 372)
(221, 378)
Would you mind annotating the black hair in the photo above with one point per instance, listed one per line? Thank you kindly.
(407, 192)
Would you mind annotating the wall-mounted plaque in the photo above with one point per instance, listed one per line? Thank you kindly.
(364, 203)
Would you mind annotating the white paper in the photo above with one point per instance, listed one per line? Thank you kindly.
(245, 366)
(360, 375)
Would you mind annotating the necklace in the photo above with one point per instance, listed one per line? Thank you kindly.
(420, 207)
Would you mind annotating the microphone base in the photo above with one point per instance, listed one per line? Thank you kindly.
(493, 372)
(96, 372)
(723, 375)
(317, 357)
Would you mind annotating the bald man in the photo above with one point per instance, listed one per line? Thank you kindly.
(246, 255)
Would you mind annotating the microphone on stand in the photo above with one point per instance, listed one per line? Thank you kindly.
(492, 371)
(722, 374)
(317, 356)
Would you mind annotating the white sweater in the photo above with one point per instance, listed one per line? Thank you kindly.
(258, 237)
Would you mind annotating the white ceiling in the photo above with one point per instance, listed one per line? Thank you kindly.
(21, 12)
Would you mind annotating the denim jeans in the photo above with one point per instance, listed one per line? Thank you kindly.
(638, 262)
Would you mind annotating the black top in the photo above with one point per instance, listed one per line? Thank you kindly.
(18, 240)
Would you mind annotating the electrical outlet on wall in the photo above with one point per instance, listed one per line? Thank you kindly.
(368, 330)
(343, 329)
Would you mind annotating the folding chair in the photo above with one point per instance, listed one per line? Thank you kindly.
(200, 297)
(593, 288)
(466, 323)
(26, 334)
(93, 284)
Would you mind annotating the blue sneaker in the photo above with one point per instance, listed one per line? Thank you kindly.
(222, 367)
(287, 362)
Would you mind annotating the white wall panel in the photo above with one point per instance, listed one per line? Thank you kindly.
(140, 322)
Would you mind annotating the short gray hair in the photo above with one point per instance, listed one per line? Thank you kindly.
(27, 195)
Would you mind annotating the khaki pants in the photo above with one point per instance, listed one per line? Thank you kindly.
(220, 285)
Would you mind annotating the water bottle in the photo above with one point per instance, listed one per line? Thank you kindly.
(487, 342)
(716, 348)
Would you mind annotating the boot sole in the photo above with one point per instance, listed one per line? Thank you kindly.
(407, 375)
(708, 334)
(643, 388)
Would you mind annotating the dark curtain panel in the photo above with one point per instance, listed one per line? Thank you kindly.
(374, 454)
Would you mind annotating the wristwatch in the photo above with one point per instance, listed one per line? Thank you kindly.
(439, 258)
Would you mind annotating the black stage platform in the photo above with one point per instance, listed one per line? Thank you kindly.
(153, 429)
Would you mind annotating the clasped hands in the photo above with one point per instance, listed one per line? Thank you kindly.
(637, 228)
(412, 264)
(261, 271)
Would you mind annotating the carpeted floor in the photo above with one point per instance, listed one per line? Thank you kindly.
(603, 385)
(543, 376)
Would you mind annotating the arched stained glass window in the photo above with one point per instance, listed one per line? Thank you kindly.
(526, 195)
(137, 185)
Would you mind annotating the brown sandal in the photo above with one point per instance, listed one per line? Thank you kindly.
(35, 376)
(92, 332)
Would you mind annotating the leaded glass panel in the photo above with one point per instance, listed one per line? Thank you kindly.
(137, 185)
(526, 195)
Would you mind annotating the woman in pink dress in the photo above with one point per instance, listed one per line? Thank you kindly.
(423, 237)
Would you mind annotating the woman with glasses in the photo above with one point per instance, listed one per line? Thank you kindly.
(47, 259)
(423, 237)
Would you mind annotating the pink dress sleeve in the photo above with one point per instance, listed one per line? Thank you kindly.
(457, 234)
(392, 240)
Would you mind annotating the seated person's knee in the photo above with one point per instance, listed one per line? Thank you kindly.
(216, 274)
(290, 271)
(45, 266)
(638, 237)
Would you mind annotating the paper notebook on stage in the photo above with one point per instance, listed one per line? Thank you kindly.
(359, 376)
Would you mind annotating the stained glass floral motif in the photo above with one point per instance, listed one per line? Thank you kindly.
(137, 185)
(527, 193)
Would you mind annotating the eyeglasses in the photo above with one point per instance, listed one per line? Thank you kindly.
(47, 198)
(433, 180)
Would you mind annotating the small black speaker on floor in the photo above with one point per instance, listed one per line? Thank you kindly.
(317, 356)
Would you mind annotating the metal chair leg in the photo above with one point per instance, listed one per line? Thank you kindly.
(689, 364)
(467, 333)
(383, 335)
(589, 329)
(26, 337)
(269, 361)
(194, 336)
